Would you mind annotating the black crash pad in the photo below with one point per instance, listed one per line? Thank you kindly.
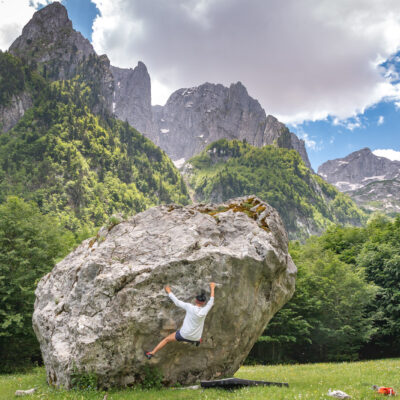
(235, 383)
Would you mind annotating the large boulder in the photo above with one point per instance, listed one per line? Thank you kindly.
(104, 304)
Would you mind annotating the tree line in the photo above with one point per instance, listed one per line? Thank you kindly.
(347, 300)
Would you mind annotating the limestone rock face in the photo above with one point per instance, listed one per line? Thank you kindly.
(383, 196)
(104, 304)
(195, 117)
(10, 115)
(132, 97)
(359, 169)
(49, 41)
(372, 182)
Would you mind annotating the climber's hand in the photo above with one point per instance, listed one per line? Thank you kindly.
(212, 285)
(168, 289)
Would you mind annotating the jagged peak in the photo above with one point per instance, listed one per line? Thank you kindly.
(364, 152)
(141, 65)
(54, 15)
(239, 87)
(271, 118)
(51, 24)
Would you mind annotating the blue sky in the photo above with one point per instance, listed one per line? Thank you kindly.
(82, 14)
(377, 128)
(330, 72)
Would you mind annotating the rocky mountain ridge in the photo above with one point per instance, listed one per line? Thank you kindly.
(358, 169)
(194, 117)
(383, 196)
(191, 118)
(49, 43)
(132, 97)
(372, 181)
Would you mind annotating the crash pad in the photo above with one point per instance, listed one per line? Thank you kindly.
(236, 383)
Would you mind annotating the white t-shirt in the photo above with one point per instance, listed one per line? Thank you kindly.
(193, 323)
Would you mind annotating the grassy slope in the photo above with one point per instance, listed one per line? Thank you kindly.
(311, 381)
(227, 169)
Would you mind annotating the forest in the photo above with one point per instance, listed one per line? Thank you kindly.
(306, 203)
(347, 300)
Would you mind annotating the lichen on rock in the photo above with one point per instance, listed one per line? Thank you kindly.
(104, 304)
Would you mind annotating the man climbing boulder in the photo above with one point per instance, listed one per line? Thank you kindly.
(193, 323)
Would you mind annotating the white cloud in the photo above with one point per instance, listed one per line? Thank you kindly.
(310, 143)
(349, 123)
(160, 92)
(381, 120)
(388, 153)
(302, 59)
(14, 14)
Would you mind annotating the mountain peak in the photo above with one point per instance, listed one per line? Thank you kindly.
(365, 151)
(54, 15)
(45, 22)
(358, 169)
(141, 66)
(239, 87)
(49, 40)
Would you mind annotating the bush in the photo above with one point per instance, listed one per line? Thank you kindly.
(84, 380)
(152, 378)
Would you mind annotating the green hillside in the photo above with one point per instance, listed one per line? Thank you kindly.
(76, 165)
(306, 203)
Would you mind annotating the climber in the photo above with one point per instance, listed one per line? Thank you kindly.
(193, 323)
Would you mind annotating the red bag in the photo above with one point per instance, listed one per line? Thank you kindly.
(387, 391)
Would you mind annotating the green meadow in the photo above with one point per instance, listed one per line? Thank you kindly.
(306, 381)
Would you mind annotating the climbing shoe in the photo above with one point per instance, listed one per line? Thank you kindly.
(148, 355)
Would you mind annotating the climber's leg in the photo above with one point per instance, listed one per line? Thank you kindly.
(168, 339)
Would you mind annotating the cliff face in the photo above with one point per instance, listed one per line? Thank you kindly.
(383, 196)
(50, 43)
(194, 117)
(132, 97)
(13, 112)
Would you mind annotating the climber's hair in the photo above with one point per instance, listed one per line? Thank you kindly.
(201, 298)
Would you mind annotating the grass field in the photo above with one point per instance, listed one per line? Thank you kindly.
(310, 381)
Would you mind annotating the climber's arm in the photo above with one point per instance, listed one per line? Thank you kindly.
(210, 302)
(177, 302)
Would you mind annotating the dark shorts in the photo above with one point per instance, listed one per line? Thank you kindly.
(180, 338)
